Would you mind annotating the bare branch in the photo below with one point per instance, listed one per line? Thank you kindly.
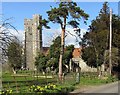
(6, 37)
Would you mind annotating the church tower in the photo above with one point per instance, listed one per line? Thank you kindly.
(33, 40)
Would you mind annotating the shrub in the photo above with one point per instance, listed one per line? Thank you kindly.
(111, 79)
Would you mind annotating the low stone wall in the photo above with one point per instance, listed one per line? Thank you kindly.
(84, 66)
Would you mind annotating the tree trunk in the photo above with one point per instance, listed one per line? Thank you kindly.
(61, 54)
(98, 69)
(62, 48)
(60, 67)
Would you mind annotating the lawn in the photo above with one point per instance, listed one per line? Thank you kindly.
(91, 79)
(22, 81)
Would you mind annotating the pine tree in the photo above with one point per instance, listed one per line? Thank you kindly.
(60, 15)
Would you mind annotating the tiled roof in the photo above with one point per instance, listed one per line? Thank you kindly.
(77, 53)
(45, 50)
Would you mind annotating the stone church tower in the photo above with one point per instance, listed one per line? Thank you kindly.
(33, 40)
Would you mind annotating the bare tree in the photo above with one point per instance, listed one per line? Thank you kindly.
(5, 37)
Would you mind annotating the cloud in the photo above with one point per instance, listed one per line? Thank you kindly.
(50, 34)
(20, 34)
(72, 37)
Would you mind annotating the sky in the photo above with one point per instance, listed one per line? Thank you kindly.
(18, 11)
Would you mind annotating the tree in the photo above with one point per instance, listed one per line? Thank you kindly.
(114, 56)
(67, 56)
(51, 59)
(116, 38)
(40, 62)
(87, 52)
(43, 22)
(14, 53)
(55, 48)
(54, 53)
(60, 15)
(116, 31)
(6, 37)
(96, 42)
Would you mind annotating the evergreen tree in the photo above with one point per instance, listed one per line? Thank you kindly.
(60, 15)
(14, 53)
(54, 53)
(40, 62)
(68, 54)
(96, 41)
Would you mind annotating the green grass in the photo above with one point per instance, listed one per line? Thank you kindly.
(24, 79)
(91, 81)
(94, 80)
